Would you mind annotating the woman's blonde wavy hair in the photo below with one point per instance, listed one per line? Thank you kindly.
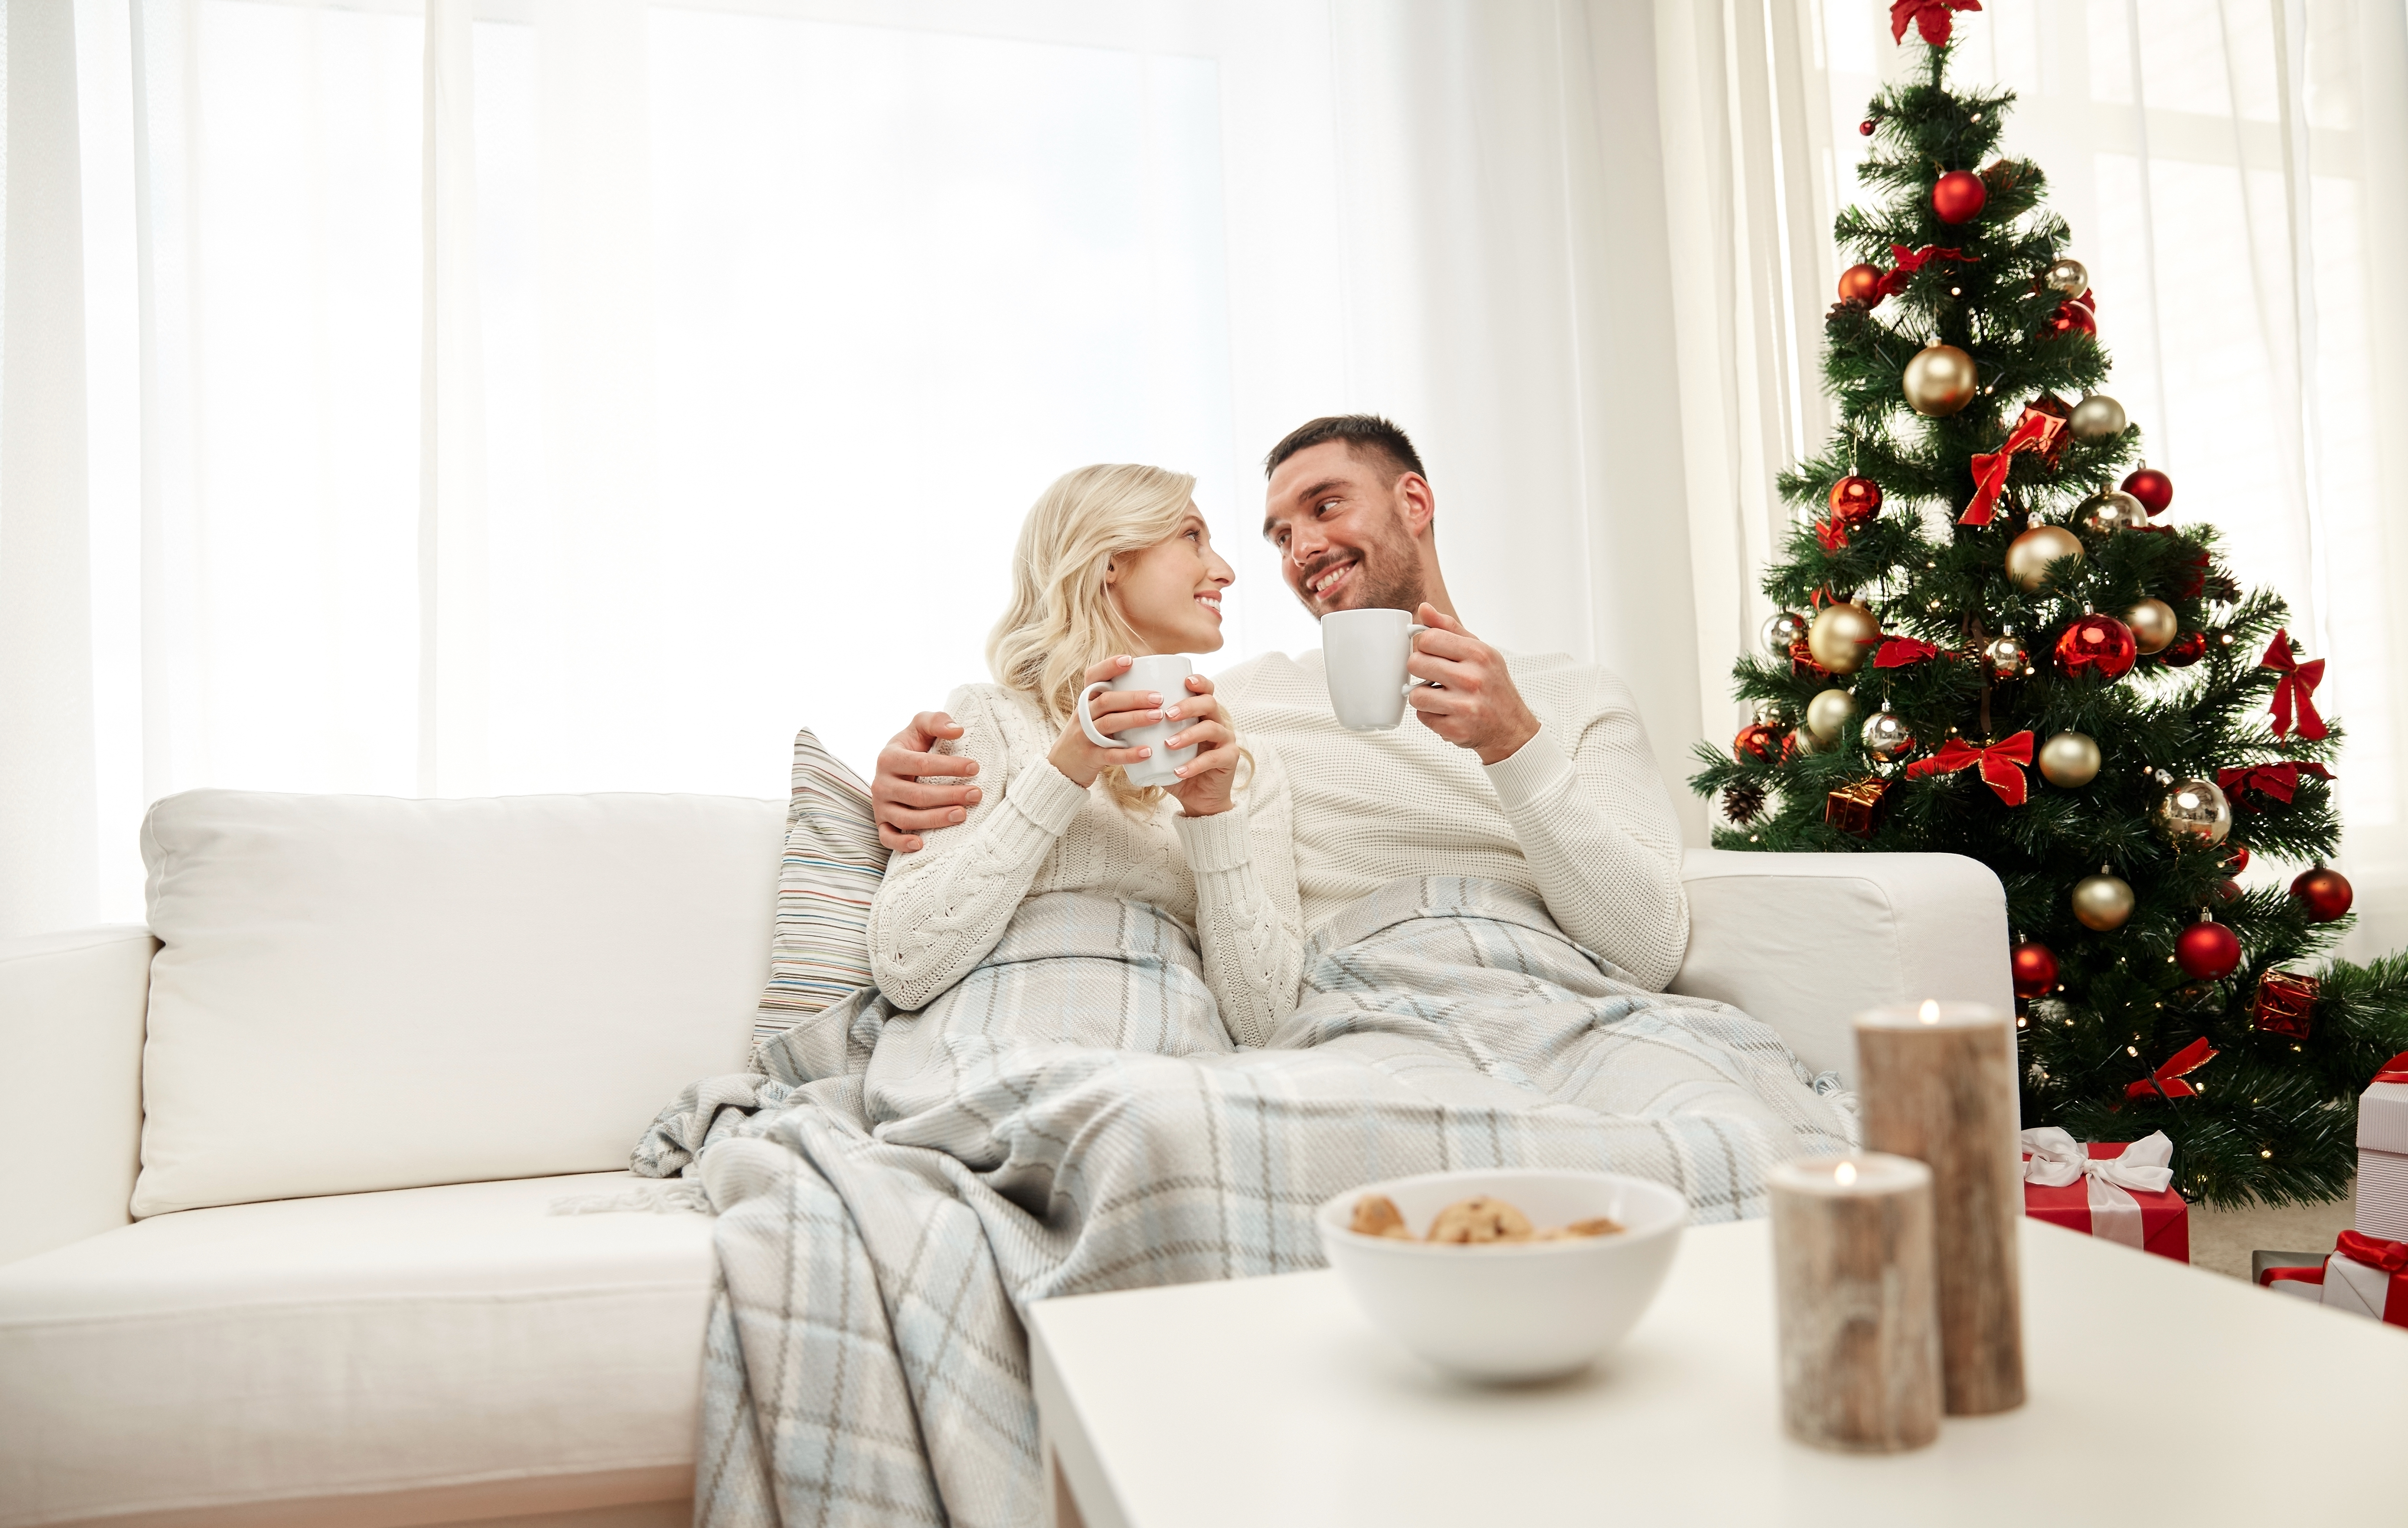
(1062, 619)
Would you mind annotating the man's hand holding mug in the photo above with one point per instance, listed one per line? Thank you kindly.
(1467, 695)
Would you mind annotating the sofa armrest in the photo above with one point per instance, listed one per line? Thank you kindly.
(1805, 941)
(71, 1014)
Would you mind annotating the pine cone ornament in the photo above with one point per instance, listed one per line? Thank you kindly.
(1742, 802)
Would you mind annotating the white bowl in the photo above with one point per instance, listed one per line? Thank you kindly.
(1510, 1311)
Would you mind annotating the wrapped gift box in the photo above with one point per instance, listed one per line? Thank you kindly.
(2366, 1276)
(2162, 1225)
(2382, 1153)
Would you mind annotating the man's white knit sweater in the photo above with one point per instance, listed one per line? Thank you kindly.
(1578, 815)
(1230, 877)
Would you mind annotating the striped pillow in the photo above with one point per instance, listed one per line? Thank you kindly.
(819, 951)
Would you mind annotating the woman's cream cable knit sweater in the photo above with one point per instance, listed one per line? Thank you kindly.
(1231, 877)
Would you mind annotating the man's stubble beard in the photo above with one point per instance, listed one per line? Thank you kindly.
(1390, 574)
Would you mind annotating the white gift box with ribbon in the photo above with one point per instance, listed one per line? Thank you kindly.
(2382, 1158)
(2056, 1159)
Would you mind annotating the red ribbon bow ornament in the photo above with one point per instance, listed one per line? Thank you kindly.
(2034, 432)
(2373, 1251)
(2394, 1070)
(1906, 262)
(2280, 782)
(2296, 688)
(2168, 1079)
(1930, 18)
(1998, 764)
(1899, 651)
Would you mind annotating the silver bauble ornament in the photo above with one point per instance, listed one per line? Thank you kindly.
(1776, 713)
(2069, 277)
(2029, 554)
(2193, 814)
(2098, 418)
(1828, 712)
(2007, 658)
(1940, 381)
(1841, 637)
(2101, 902)
(1782, 630)
(2153, 626)
(2069, 759)
(1885, 735)
(2113, 509)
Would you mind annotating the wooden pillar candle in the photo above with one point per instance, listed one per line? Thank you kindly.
(1852, 1248)
(1938, 1084)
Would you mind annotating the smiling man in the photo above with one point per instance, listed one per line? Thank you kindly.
(1532, 771)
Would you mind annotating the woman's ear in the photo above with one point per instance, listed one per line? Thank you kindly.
(1111, 570)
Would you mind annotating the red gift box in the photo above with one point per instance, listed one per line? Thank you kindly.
(2164, 1218)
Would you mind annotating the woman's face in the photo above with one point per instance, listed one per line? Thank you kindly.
(1171, 592)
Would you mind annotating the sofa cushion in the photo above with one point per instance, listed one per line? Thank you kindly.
(362, 993)
(461, 1344)
(819, 949)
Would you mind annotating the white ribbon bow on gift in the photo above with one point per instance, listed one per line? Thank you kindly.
(2057, 1159)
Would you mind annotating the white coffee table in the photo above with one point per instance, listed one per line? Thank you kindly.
(2159, 1393)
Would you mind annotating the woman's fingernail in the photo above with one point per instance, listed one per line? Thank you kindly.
(955, 815)
(1154, 697)
(1172, 711)
(1145, 753)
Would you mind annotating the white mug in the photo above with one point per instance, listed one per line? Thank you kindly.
(1167, 674)
(1363, 653)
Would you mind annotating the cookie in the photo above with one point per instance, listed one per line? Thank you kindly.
(1376, 1215)
(1479, 1220)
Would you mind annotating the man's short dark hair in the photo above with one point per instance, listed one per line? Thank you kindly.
(1367, 437)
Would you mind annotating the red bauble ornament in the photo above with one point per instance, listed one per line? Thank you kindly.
(1958, 195)
(2097, 646)
(1855, 500)
(2070, 319)
(2228, 892)
(2034, 968)
(2326, 893)
(1756, 741)
(2240, 856)
(2184, 650)
(2208, 951)
(1866, 127)
(1862, 284)
(2154, 488)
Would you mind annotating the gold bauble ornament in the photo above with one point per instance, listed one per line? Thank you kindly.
(1805, 742)
(1841, 637)
(1885, 735)
(2008, 660)
(2069, 759)
(1828, 712)
(1940, 381)
(2113, 509)
(1780, 630)
(2029, 554)
(2101, 902)
(2069, 277)
(2153, 626)
(2193, 814)
(2097, 418)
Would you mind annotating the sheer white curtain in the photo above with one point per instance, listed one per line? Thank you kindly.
(2236, 176)
(500, 395)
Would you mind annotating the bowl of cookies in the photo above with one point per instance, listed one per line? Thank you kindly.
(1506, 1274)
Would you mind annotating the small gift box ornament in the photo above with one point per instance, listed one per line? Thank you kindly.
(2366, 1276)
(2383, 1152)
(2283, 1003)
(1857, 808)
(2119, 1192)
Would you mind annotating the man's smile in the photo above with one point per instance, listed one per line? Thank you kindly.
(1322, 583)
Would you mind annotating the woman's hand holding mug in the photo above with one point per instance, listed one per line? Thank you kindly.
(1207, 783)
(1077, 755)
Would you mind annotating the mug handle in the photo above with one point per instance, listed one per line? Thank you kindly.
(1087, 717)
(1411, 684)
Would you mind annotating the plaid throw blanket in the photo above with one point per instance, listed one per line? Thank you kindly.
(1070, 1119)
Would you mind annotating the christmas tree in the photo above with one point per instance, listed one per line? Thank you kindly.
(1989, 645)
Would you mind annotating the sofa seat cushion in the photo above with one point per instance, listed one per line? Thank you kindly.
(367, 1346)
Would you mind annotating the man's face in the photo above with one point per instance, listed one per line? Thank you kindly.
(1345, 536)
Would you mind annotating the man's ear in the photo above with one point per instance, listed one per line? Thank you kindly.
(1417, 501)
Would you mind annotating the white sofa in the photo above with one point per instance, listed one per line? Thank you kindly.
(375, 1048)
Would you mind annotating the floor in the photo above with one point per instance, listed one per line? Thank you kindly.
(2221, 1240)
